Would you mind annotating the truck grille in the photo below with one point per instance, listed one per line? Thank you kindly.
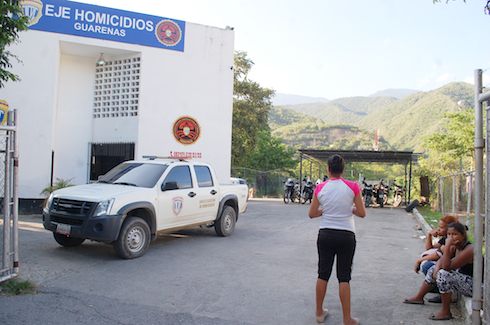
(66, 220)
(72, 207)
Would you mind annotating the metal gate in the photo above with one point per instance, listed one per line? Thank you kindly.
(9, 247)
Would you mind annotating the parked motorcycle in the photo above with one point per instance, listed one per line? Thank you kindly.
(379, 192)
(367, 193)
(291, 191)
(307, 194)
(386, 193)
(399, 194)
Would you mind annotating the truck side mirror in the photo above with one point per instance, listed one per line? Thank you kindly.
(168, 186)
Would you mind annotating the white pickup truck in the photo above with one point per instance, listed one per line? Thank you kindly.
(137, 199)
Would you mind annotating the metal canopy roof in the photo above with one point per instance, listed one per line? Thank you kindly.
(404, 157)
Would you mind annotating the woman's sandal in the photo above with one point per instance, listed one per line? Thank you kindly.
(413, 302)
(434, 317)
(321, 319)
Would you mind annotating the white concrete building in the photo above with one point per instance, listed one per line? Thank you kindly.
(165, 88)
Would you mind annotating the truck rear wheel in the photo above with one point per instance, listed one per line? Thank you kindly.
(225, 225)
(66, 241)
(133, 239)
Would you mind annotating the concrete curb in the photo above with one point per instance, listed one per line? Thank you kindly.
(420, 219)
(464, 303)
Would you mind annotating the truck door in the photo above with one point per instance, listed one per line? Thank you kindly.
(177, 199)
(207, 193)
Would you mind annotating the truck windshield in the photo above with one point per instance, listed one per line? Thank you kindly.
(134, 174)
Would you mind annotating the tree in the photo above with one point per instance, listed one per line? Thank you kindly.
(269, 153)
(251, 106)
(451, 149)
(12, 21)
(253, 145)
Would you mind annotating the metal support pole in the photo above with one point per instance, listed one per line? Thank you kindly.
(6, 207)
(15, 194)
(476, 303)
(300, 172)
(441, 196)
(311, 176)
(410, 182)
(52, 169)
(468, 203)
(405, 186)
(453, 197)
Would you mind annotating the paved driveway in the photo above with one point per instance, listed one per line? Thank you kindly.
(264, 274)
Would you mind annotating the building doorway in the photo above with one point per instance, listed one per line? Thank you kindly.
(105, 156)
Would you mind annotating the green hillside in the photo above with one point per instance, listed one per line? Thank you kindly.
(344, 111)
(406, 122)
(350, 123)
(306, 132)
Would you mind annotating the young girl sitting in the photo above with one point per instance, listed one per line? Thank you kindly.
(452, 273)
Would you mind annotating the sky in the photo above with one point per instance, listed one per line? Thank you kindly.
(343, 48)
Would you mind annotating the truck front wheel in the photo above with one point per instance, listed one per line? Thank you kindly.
(225, 225)
(133, 239)
(67, 241)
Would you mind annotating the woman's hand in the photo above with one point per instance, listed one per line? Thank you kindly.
(417, 265)
(450, 246)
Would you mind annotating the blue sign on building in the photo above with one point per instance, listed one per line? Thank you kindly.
(73, 18)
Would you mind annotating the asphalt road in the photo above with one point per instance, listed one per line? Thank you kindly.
(264, 273)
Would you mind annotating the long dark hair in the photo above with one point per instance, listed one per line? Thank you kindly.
(336, 164)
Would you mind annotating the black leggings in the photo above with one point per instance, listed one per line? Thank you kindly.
(331, 243)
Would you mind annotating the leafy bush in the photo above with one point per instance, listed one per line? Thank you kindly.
(60, 183)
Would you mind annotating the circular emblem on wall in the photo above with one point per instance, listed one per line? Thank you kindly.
(168, 32)
(186, 130)
(33, 9)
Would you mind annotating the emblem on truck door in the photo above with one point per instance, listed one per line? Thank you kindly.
(186, 130)
(177, 203)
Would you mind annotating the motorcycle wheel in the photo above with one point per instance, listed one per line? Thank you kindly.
(397, 201)
(295, 197)
(367, 201)
(286, 197)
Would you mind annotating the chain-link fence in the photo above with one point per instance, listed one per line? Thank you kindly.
(456, 194)
(262, 183)
(9, 201)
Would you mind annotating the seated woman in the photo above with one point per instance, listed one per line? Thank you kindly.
(433, 252)
(452, 273)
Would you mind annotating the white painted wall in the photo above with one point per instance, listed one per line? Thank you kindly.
(198, 83)
(35, 99)
(57, 114)
(74, 118)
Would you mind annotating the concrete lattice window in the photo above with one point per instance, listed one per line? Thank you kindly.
(116, 82)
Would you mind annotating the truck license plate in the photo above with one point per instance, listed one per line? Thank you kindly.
(63, 229)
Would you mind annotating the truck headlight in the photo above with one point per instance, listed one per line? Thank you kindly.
(48, 203)
(103, 207)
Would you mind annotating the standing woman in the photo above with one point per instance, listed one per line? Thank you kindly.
(335, 201)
